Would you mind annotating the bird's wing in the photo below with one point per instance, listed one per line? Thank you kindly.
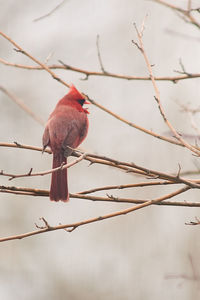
(45, 138)
(73, 137)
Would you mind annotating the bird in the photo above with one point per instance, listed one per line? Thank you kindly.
(65, 130)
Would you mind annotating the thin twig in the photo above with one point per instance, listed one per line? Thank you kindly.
(149, 132)
(196, 222)
(50, 13)
(26, 147)
(182, 68)
(30, 173)
(22, 105)
(157, 97)
(126, 186)
(186, 13)
(99, 55)
(190, 113)
(44, 66)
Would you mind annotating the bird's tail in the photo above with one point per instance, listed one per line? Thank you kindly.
(59, 186)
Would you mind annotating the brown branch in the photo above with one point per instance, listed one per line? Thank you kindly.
(136, 201)
(88, 73)
(186, 13)
(23, 191)
(128, 167)
(157, 97)
(73, 226)
(22, 146)
(149, 132)
(126, 186)
(45, 193)
(91, 158)
(22, 105)
(133, 168)
(44, 66)
(30, 173)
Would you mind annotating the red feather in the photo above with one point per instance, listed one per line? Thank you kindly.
(66, 128)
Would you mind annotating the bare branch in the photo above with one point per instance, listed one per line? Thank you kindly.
(45, 193)
(51, 12)
(149, 132)
(23, 191)
(73, 226)
(126, 186)
(22, 105)
(183, 69)
(128, 167)
(157, 98)
(22, 146)
(30, 173)
(185, 13)
(44, 66)
(88, 73)
(196, 222)
(99, 55)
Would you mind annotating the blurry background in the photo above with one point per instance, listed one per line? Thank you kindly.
(143, 255)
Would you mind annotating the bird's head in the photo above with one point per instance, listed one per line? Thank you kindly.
(77, 98)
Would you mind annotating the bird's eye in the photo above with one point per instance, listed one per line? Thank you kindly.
(81, 101)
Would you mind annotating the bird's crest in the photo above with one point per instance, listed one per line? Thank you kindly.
(75, 93)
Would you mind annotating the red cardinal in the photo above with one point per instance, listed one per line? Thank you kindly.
(66, 128)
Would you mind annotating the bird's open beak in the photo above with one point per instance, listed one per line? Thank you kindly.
(87, 102)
